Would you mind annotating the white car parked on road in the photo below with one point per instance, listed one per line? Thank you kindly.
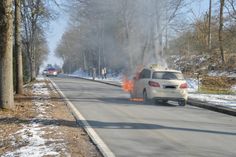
(159, 84)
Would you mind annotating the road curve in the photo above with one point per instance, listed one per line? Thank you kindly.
(134, 129)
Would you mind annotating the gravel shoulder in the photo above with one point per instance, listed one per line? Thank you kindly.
(42, 125)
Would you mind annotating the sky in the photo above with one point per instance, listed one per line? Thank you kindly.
(58, 27)
(53, 34)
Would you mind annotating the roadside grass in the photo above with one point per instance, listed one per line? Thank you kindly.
(217, 85)
(208, 90)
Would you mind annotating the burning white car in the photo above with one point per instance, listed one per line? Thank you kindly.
(159, 84)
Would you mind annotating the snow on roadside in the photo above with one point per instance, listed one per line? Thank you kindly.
(216, 99)
(40, 78)
(118, 79)
(192, 85)
(222, 73)
(32, 134)
(233, 88)
(110, 78)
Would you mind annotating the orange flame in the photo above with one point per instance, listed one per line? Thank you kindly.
(136, 99)
(127, 85)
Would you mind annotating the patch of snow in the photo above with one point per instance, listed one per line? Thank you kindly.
(176, 58)
(202, 59)
(221, 100)
(232, 74)
(40, 78)
(43, 89)
(192, 84)
(80, 73)
(222, 73)
(216, 99)
(110, 77)
(32, 134)
(233, 88)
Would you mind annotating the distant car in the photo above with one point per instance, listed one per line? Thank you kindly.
(45, 72)
(51, 72)
(154, 83)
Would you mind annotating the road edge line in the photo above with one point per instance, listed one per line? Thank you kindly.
(102, 147)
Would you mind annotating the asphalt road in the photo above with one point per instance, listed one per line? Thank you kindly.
(134, 129)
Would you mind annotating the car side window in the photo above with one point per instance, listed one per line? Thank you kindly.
(142, 74)
(148, 74)
(145, 74)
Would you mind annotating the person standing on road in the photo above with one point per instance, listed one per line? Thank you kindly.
(94, 73)
(103, 73)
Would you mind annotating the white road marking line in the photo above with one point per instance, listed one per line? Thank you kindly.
(106, 152)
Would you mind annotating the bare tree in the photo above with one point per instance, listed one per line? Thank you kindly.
(18, 48)
(221, 24)
(209, 25)
(231, 8)
(6, 42)
(35, 15)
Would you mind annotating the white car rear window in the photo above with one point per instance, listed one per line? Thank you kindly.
(167, 75)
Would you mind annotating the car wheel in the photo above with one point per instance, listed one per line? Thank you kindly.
(182, 102)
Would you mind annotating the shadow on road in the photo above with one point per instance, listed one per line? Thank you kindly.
(126, 101)
(107, 125)
(139, 126)
(115, 101)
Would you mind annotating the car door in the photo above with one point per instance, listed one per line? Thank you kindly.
(138, 84)
(135, 84)
(144, 77)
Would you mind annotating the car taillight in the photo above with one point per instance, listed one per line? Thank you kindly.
(184, 85)
(153, 84)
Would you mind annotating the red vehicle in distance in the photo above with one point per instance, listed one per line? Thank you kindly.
(51, 72)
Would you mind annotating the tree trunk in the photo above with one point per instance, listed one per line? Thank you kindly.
(6, 65)
(18, 48)
(27, 42)
(209, 27)
(84, 60)
(32, 58)
(220, 31)
(33, 68)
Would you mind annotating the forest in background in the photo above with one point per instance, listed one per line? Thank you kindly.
(126, 34)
